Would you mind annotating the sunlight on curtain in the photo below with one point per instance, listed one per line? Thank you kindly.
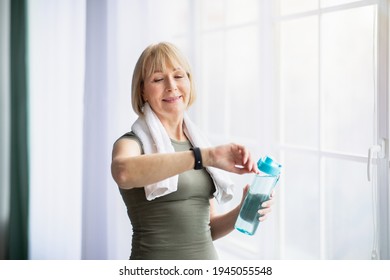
(4, 125)
(56, 73)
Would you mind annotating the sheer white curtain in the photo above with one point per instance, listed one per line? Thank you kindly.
(56, 87)
(81, 57)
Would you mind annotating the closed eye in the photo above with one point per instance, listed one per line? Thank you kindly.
(179, 74)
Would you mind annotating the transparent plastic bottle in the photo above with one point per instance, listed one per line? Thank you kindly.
(259, 191)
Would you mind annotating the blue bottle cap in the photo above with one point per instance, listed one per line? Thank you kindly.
(269, 166)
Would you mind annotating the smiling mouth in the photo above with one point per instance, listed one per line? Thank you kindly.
(172, 99)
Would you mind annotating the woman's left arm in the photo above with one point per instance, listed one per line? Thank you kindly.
(223, 224)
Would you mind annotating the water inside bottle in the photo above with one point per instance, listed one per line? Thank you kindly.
(248, 219)
(252, 205)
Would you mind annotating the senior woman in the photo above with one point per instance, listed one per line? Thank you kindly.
(167, 173)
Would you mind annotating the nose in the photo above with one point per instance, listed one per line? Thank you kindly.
(170, 84)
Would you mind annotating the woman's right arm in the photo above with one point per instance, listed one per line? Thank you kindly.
(131, 169)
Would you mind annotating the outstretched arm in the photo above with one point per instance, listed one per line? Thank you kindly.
(131, 169)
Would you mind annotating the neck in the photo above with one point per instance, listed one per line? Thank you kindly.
(174, 128)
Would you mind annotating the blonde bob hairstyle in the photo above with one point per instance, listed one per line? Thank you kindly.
(157, 57)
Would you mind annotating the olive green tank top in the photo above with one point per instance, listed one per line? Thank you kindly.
(174, 226)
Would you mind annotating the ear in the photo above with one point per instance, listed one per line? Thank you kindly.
(143, 97)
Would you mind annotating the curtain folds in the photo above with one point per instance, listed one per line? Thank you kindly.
(19, 175)
(56, 92)
(95, 147)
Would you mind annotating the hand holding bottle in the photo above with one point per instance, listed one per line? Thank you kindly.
(265, 206)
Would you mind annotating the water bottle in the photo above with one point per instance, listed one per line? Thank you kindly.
(260, 191)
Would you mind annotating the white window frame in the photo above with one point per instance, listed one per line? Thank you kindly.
(383, 129)
(382, 101)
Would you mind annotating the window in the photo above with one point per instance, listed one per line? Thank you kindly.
(304, 81)
(328, 121)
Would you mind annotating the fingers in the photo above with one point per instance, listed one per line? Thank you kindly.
(263, 213)
(232, 158)
(240, 170)
(268, 203)
(266, 209)
(246, 161)
(245, 155)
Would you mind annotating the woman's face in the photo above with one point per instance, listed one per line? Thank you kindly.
(167, 92)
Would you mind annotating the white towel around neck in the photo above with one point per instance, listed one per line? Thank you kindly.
(155, 139)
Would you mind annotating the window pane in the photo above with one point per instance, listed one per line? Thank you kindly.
(213, 92)
(180, 19)
(349, 210)
(242, 80)
(239, 11)
(213, 13)
(299, 81)
(297, 6)
(328, 3)
(347, 80)
(218, 13)
(302, 212)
